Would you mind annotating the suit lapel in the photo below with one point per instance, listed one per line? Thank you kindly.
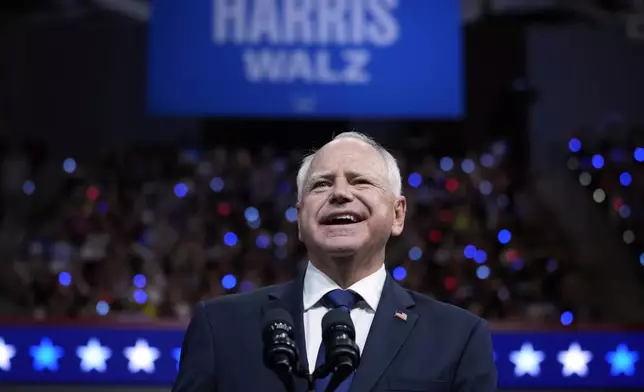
(387, 334)
(290, 299)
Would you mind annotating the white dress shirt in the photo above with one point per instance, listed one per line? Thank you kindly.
(316, 285)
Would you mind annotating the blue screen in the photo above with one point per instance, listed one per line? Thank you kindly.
(287, 58)
(126, 356)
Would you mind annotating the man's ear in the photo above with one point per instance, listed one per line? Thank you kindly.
(400, 211)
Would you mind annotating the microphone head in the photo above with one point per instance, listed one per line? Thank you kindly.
(342, 355)
(340, 319)
(277, 319)
(280, 351)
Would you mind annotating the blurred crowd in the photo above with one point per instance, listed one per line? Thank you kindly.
(145, 233)
(609, 165)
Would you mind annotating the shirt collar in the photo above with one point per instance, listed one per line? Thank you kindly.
(317, 284)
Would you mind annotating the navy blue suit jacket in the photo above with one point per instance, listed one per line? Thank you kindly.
(438, 348)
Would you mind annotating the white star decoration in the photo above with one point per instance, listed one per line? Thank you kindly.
(527, 360)
(141, 356)
(7, 352)
(574, 361)
(93, 356)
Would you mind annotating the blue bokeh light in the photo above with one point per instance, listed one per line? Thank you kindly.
(566, 318)
(102, 308)
(597, 161)
(480, 256)
(487, 160)
(291, 214)
(280, 239)
(517, 264)
(469, 251)
(468, 166)
(69, 165)
(140, 296)
(446, 164)
(624, 211)
(64, 278)
(399, 273)
(625, 179)
(552, 265)
(262, 241)
(504, 294)
(180, 190)
(483, 272)
(230, 239)
(415, 253)
(254, 224)
(504, 236)
(228, 281)
(638, 154)
(485, 187)
(251, 214)
(28, 187)
(217, 184)
(139, 281)
(415, 180)
(574, 145)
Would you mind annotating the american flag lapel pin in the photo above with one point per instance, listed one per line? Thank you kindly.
(401, 315)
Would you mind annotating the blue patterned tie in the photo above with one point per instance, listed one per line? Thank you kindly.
(345, 301)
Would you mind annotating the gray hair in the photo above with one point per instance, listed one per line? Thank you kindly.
(393, 171)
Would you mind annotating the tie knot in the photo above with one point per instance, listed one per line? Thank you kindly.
(342, 299)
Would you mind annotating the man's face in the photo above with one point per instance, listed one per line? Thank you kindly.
(347, 204)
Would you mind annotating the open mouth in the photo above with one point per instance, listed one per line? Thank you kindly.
(342, 219)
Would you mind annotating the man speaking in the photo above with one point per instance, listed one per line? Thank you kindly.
(349, 204)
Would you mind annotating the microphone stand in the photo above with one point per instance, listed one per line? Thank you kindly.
(301, 372)
(321, 372)
(287, 381)
(334, 383)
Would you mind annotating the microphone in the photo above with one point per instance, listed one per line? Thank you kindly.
(342, 356)
(280, 352)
